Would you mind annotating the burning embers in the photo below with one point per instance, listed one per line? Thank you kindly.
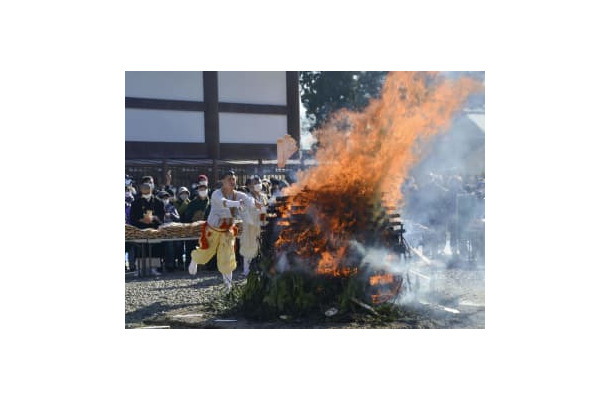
(326, 233)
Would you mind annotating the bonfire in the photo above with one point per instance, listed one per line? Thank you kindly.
(317, 248)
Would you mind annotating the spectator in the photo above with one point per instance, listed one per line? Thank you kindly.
(480, 190)
(129, 247)
(168, 183)
(129, 185)
(150, 180)
(198, 209)
(170, 211)
(182, 201)
(428, 206)
(202, 180)
(266, 187)
(181, 204)
(193, 191)
(171, 215)
(455, 221)
(128, 201)
(147, 212)
(253, 218)
(276, 188)
(172, 195)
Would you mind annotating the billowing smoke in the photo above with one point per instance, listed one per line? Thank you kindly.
(445, 191)
(444, 213)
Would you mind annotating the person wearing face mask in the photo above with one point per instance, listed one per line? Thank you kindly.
(198, 209)
(253, 217)
(201, 180)
(181, 203)
(266, 187)
(150, 180)
(172, 196)
(170, 215)
(170, 212)
(147, 211)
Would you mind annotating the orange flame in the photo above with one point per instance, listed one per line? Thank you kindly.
(362, 161)
(375, 149)
(381, 279)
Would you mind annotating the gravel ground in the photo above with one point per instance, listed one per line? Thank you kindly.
(444, 298)
(151, 298)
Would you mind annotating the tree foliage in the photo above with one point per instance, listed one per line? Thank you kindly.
(323, 92)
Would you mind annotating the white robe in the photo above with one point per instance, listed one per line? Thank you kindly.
(251, 230)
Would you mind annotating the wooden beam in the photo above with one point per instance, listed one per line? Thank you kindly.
(183, 105)
(252, 108)
(248, 151)
(172, 150)
(163, 150)
(161, 104)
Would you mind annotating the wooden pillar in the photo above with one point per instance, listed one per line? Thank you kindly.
(293, 104)
(212, 131)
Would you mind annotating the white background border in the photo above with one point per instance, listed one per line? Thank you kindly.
(546, 92)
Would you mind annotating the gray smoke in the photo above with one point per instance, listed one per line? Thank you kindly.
(445, 191)
(444, 214)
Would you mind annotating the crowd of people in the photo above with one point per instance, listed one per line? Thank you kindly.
(445, 206)
(448, 207)
(230, 213)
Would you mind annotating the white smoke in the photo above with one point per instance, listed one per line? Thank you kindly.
(445, 191)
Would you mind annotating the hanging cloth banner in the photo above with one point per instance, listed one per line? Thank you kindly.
(286, 147)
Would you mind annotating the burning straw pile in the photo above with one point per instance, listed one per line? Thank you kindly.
(316, 251)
